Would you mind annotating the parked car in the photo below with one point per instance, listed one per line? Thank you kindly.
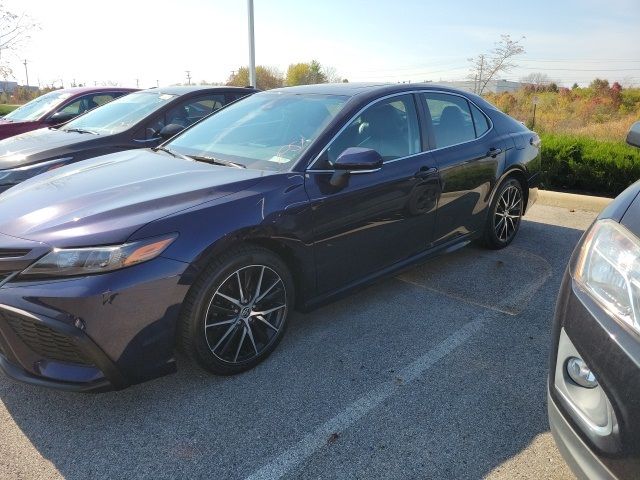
(56, 107)
(141, 119)
(286, 199)
(594, 373)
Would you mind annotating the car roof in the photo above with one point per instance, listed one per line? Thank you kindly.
(184, 89)
(80, 90)
(353, 89)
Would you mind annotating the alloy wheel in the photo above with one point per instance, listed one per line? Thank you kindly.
(508, 213)
(245, 314)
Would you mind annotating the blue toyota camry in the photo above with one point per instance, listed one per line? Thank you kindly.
(283, 200)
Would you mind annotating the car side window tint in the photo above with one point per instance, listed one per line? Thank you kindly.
(450, 118)
(73, 108)
(389, 127)
(479, 120)
(185, 113)
(101, 99)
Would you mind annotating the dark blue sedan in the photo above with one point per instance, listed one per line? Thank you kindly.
(286, 199)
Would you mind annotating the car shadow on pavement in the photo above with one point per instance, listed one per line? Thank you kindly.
(473, 410)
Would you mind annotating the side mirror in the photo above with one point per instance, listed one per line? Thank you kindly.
(358, 159)
(61, 117)
(633, 137)
(170, 130)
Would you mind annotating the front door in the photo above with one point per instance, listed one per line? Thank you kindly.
(377, 218)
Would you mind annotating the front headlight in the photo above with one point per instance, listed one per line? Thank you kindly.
(609, 269)
(20, 174)
(86, 261)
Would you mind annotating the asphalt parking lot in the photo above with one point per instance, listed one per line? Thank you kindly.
(437, 373)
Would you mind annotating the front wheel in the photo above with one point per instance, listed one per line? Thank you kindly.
(236, 313)
(505, 214)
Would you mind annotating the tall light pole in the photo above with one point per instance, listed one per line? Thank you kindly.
(252, 47)
(26, 72)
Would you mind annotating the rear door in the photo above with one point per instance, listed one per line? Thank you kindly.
(380, 217)
(468, 154)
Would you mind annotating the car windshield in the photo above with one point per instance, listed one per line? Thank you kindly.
(267, 131)
(37, 107)
(120, 114)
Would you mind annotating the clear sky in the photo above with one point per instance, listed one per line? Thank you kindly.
(381, 40)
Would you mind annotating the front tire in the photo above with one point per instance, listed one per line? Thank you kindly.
(505, 215)
(236, 313)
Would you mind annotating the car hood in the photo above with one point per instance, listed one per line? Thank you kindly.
(38, 145)
(104, 200)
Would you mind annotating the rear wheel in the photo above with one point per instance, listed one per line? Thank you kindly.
(236, 313)
(505, 214)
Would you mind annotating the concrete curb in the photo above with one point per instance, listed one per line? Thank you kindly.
(573, 201)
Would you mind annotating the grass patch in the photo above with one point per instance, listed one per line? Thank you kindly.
(586, 165)
(4, 109)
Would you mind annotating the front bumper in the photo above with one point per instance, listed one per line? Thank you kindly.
(596, 430)
(92, 333)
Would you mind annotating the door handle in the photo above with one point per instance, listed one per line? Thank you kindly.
(425, 172)
(494, 152)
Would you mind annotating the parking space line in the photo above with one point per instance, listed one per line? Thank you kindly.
(315, 440)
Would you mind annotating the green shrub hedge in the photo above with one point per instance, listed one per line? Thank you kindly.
(4, 109)
(591, 166)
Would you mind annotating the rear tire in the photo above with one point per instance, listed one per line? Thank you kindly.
(236, 313)
(505, 214)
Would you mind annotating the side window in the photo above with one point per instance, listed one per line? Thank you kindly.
(450, 118)
(101, 99)
(389, 127)
(185, 113)
(73, 108)
(479, 120)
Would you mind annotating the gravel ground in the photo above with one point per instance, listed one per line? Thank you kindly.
(437, 373)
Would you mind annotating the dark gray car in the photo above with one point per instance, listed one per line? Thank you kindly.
(141, 119)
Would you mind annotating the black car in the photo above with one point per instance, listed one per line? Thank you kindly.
(142, 119)
(285, 199)
(594, 374)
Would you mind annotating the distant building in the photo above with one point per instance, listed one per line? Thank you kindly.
(8, 87)
(495, 86)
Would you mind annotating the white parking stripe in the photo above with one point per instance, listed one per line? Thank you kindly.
(307, 446)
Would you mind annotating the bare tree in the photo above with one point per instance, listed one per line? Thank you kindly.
(537, 79)
(14, 31)
(486, 66)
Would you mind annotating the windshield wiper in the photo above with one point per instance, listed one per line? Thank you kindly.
(217, 161)
(80, 130)
(170, 152)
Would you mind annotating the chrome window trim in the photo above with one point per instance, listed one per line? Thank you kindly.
(310, 168)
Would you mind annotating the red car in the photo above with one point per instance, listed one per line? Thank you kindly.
(57, 107)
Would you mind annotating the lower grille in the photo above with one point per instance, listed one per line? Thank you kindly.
(44, 341)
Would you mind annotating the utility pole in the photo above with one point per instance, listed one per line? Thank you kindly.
(479, 92)
(137, 82)
(188, 72)
(26, 72)
(252, 47)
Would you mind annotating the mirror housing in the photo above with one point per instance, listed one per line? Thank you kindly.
(358, 159)
(170, 130)
(61, 117)
(633, 137)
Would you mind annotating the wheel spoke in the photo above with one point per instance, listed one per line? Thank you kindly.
(244, 334)
(250, 333)
(259, 286)
(266, 292)
(226, 334)
(264, 320)
(243, 298)
(269, 310)
(217, 324)
(236, 302)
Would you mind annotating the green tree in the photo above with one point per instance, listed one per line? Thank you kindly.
(306, 73)
(266, 78)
